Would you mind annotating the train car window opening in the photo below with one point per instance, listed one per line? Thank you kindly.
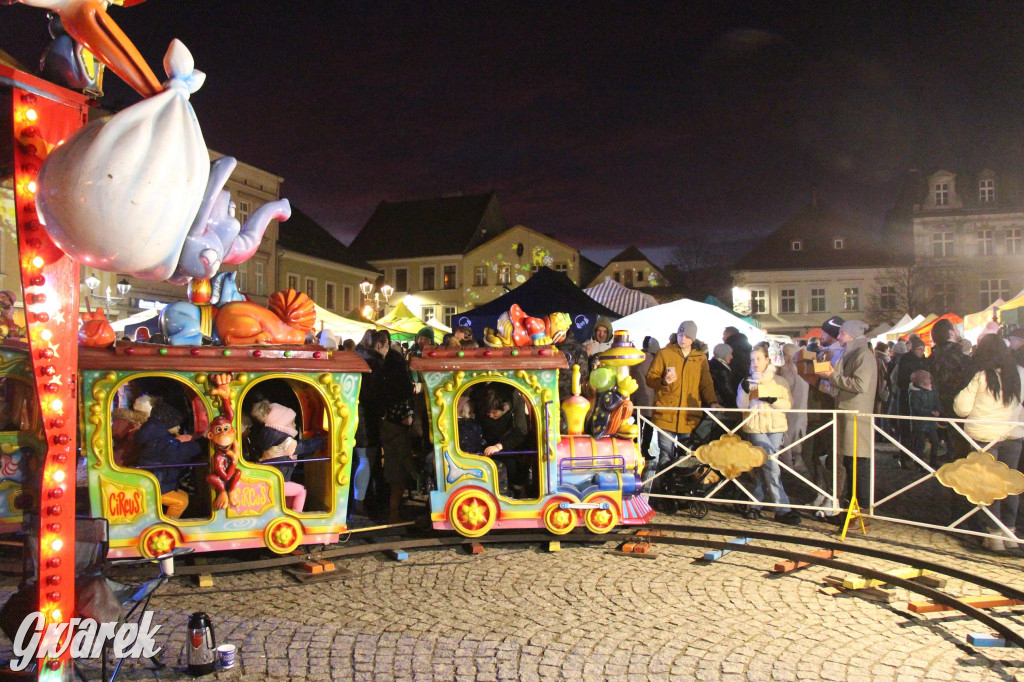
(18, 408)
(142, 438)
(499, 414)
(309, 483)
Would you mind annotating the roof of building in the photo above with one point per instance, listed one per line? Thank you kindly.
(429, 227)
(817, 226)
(630, 253)
(1009, 190)
(302, 234)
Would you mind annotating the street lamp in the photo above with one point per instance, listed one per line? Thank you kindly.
(91, 282)
(123, 287)
(374, 307)
(365, 286)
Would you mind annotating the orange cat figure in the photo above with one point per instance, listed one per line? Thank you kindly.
(95, 331)
(288, 317)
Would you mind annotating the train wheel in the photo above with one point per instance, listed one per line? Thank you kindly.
(282, 535)
(557, 520)
(157, 540)
(601, 520)
(472, 513)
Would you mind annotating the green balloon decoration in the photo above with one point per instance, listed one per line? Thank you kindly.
(602, 379)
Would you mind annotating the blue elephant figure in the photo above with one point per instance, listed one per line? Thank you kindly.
(182, 323)
(215, 237)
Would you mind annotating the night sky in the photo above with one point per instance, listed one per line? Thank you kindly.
(661, 124)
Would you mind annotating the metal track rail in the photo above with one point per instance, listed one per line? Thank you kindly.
(411, 542)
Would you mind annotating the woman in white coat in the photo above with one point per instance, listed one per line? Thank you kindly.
(994, 395)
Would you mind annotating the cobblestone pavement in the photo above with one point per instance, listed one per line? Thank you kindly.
(518, 611)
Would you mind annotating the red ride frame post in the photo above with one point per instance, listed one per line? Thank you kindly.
(44, 115)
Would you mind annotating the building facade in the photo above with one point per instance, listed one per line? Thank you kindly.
(631, 268)
(969, 231)
(815, 265)
(455, 253)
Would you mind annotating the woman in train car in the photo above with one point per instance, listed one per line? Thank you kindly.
(159, 444)
(501, 413)
(278, 446)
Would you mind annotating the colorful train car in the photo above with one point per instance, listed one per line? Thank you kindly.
(320, 386)
(21, 438)
(561, 481)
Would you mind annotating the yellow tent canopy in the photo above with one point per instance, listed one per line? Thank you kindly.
(404, 325)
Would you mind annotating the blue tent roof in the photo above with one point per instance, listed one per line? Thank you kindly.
(544, 293)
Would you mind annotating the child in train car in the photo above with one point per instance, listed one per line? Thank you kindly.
(472, 441)
(124, 424)
(276, 442)
(501, 413)
(160, 444)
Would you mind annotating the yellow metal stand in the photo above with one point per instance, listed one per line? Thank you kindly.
(854, 511)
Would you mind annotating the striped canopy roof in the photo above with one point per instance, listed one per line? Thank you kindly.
(623, 300)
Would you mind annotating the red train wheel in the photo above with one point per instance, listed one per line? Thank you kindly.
(472, 513)
(157, 540)
(557, 520)
(601, 520)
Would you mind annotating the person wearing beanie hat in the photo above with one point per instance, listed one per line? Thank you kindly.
(721, 375)
(820, 398)
(830, 329)
(278, 446)
(159, 445)
(681, 377)
(854, 384)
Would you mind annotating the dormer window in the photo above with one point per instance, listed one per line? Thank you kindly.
(797, 244)
(987, 191)
(942, 194)
(837, 243)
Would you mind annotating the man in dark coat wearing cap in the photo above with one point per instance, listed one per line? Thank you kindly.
(821, 444)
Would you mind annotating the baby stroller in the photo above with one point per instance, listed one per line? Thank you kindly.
(686, 482)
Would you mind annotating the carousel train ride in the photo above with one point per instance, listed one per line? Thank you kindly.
(586, 474)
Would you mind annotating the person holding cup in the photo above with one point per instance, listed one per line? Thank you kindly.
(681, 377)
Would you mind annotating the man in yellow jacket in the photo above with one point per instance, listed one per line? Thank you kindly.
(681, 377)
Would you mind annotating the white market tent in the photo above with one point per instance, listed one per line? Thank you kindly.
(119, 325)
(342, 327)
(904, 326)
(663, 320)
(623, 300)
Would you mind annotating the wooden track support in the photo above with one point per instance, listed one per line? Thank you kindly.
(788, 566)
(834, 586)
(985, 601)
(716, 554)
(859, 583)
(986, 639)
(639, 550)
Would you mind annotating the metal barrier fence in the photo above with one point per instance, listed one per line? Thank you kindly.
(956, 496)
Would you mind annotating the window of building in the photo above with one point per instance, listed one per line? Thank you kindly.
(428, 278)
(787, 301)
(851, 298)
(942, 244)
(986, 242)
(448, 277)
(346, 298)
(942, 194)
(887, 298)
(945, 296)
(618, 276)
(480, 275)
(758, 301)
(401, 279)
(242, 278)
(260, 273)
(561, 267)
(427, 312)
(311, 288)
(447, 313)
(329, 295)
(797, 244)
(987, 191)
(1013, 244)
(242, 211)
(628, 278)
(818, 300)
(505, 274)
(992, 289)
(293, 281)
(837, 243)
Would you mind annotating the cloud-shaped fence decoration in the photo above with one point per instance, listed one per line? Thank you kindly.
(731, 455)
(981, 479)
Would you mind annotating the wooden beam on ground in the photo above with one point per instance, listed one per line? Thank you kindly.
(716, 554)
(788, 566)
(859, 583)
(985, 601)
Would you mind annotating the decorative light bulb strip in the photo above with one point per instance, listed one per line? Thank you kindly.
(50, 288)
